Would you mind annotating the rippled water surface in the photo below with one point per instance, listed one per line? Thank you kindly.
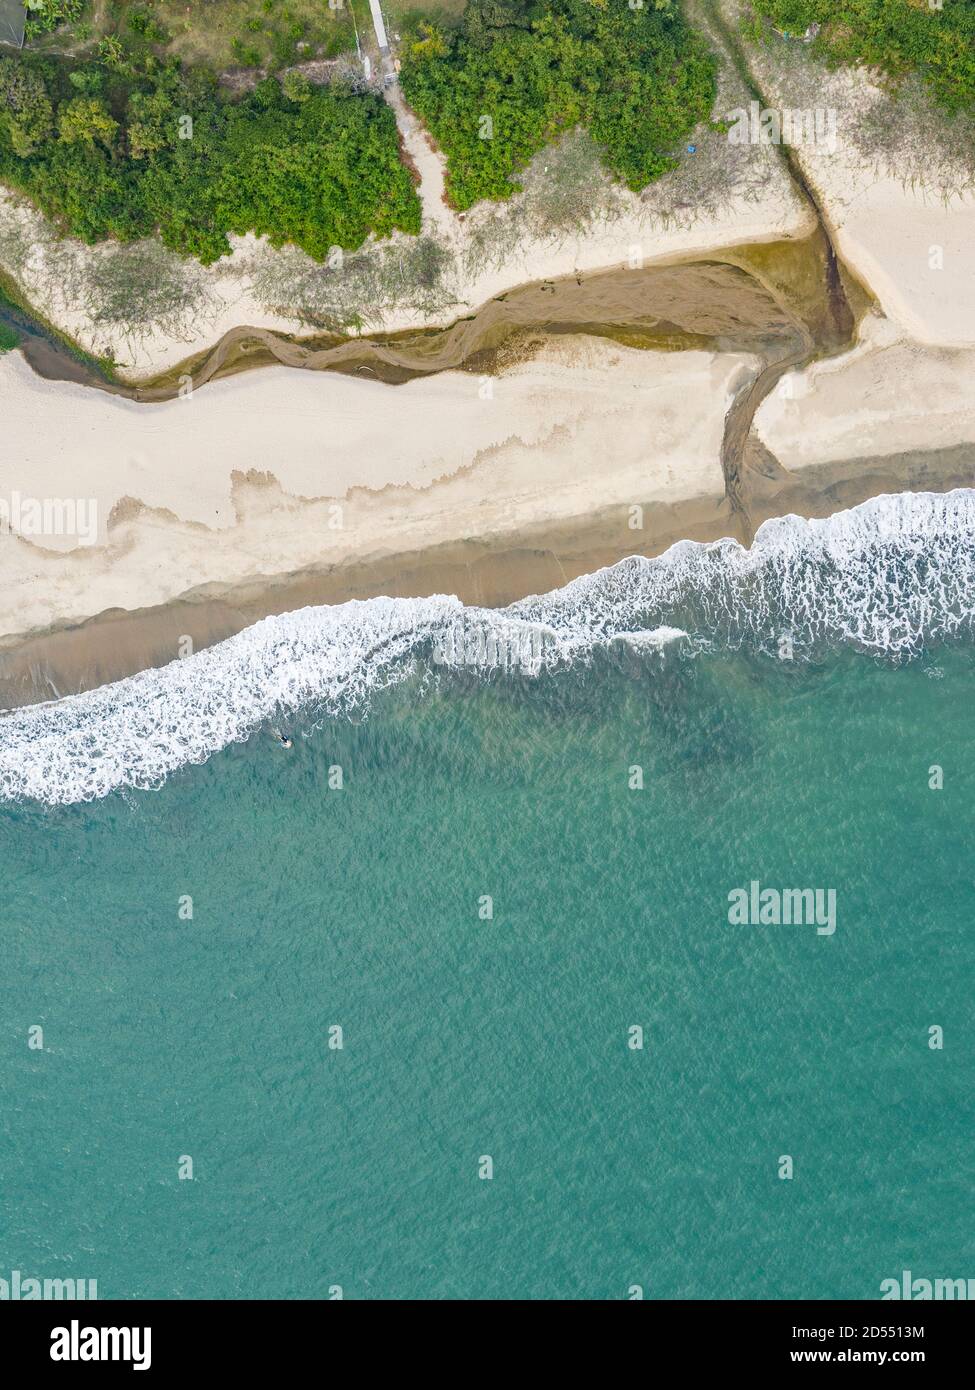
(442, 760)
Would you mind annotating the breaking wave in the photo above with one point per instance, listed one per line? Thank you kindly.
(887, 577)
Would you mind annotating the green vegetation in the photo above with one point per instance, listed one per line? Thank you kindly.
(45, 15)
(517, 73)
(109, 149)
(897, 36)
(130, 138)
(261, 34)
(8, 337)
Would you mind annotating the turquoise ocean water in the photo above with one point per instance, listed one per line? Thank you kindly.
(466, 1035)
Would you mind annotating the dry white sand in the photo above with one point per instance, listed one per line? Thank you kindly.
(888, 396)
(914, 251)
(276, 470)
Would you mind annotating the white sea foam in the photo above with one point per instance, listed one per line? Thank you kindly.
(887, 577)
(652, 640)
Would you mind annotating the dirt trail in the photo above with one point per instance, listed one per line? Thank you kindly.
(426, 161)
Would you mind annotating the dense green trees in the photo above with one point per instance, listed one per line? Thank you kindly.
(898, 36)
(112, 153)
(26, 112)
(87, 120)
(519, 72)
(133, 142)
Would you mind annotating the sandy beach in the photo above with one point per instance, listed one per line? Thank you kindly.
(490, 488)
(533, 450)
(279, 487)
(888, 396)
(322, 479)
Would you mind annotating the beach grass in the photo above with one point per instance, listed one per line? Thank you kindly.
(223, 34)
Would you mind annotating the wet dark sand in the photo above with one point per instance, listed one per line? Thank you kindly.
(119, 643)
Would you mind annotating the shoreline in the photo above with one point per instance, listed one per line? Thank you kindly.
(742, 372)
(489, 494)
(119, 643)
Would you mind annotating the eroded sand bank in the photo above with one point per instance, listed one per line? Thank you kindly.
(632, 232)
(900, 210)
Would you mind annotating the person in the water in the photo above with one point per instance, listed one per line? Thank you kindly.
(284, 742)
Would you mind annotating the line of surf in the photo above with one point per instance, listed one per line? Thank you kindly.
(887, 577)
